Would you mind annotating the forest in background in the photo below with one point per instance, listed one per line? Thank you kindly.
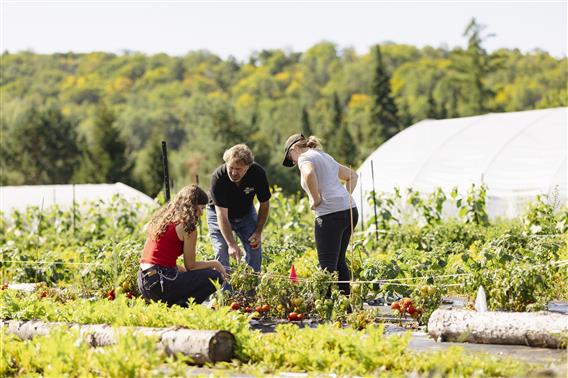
(101, 117)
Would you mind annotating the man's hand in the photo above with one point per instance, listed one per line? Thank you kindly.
(235, 251)
(255, 240)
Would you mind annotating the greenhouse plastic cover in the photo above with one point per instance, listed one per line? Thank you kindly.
(43, 196)
(517, 155)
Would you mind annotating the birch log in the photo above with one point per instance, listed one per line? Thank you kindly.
(538, 329)
(201, 346)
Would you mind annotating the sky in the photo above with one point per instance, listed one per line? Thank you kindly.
(239, 28)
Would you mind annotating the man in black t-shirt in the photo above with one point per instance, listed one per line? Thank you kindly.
(233, 187)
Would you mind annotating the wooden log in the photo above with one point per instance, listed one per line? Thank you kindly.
(208, 346)
(538, 329)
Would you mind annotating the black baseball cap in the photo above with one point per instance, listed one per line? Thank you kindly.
(293, 139)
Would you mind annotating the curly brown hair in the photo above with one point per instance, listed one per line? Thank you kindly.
(181, 209)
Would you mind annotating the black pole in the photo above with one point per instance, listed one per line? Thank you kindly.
(375, 202)
(166, 173)
(199, 222)
(361, 195)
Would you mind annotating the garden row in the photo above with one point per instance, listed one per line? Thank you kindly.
(325, 349)
(86, 263)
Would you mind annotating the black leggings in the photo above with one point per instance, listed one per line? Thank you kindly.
(332, 234)
(178, 287)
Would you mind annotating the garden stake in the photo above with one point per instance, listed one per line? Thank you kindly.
(361, 195)
(374, 202)
(166, 173)
(199, 220)
(73, 213)
(351, 224)
(38, 234)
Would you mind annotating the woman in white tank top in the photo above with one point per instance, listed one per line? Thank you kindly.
(335, 210)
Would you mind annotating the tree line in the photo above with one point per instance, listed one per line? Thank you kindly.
(100, 117)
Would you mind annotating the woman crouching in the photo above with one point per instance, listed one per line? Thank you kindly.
(172, 232)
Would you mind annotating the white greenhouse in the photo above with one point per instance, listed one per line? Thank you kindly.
(20, 197)
(517, 155)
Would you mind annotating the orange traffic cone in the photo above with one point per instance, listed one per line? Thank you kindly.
(293, 276)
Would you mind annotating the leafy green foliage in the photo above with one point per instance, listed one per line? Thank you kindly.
(201, 104)
(40, 148)
(79, 256)
(64, 353)
(104, 158)
(384, 111)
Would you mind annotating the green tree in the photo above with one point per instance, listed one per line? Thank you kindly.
(105, 159)
(384, 113)
(340, 141)
(306, 129)
(473, 66)
(149, 171)
(201, 104)
(406, 118)
(345, 149)
(224, 126)
(41, 147)
(435, 111)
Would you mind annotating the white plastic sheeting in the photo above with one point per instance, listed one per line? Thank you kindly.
(20, 197)
(517, 155)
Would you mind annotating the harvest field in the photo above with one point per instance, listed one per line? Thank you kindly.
(85, 263)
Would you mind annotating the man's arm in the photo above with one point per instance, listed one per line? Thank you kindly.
(227, 232)
(262, 216)
(256, 238)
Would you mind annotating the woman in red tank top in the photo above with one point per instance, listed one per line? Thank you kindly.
(171, 233)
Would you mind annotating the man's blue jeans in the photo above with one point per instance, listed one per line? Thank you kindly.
(244, 227)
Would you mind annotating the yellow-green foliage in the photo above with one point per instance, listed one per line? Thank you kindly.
(64, 353)
(289, 348)
(123, 312)
(349, 352)
(325, 349)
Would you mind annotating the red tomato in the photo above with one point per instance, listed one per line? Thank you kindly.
(235, 306)
(292, 316)
(110, 295)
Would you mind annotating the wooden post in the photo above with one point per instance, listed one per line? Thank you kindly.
(166, 172)
(199, 220)
(73, 208)
(375, 202)
(361, 195)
